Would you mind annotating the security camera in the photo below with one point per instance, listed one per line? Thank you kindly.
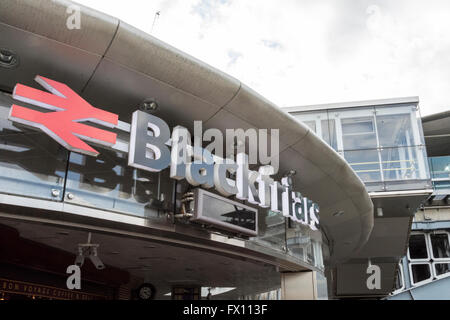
(96, 260)
(89, 250)
(79, 260)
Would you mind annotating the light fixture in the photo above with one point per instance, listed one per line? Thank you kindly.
(8, 58)
(149, 105)
(379, 212)
(290, 173)
(79, 260)
(89, 250)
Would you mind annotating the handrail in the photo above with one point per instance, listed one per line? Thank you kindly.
(377, 162)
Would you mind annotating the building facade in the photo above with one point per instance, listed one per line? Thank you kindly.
(366, 183)
(383, 142)
(424, 270)
(138, 230)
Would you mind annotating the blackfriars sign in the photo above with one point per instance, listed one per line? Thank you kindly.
(152, 147)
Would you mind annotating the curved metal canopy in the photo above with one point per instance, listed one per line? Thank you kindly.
(115, 66)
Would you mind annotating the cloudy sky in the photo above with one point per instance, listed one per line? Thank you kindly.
(300, 52)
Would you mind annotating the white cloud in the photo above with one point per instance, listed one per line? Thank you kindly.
(310, 51)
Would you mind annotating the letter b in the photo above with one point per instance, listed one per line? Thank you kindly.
(148, 150)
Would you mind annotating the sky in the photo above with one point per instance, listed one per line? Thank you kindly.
(302, 52)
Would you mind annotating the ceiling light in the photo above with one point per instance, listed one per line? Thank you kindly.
(338, 213)
(148, 105)
(8, 58)
(380, 212)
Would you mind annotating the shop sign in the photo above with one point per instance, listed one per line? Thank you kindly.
(153, 147)
(37, 290)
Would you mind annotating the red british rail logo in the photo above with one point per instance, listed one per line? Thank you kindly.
(64, 124)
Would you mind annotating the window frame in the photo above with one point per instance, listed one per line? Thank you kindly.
(402, 277)
(435, 275)
(427, 245)
(411, 276)
(409, 110)
(431, 245)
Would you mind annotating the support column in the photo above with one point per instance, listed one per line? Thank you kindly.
(302, 286)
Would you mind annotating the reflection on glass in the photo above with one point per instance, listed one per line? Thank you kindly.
(398, 279)
(440, 167)
(271, 229)
(329, 132)
(395, 130)
(365, 163)
(383, 144)
(107, 182)
(421, 135)
(31, 164)
(358, 133)
(441, 184)
(304, 243)
(227, 212)
(440, 245)
(420, 272)
(269, 295)
(311, 125)
(441, 268)
(418, 247)
(400, 164)
(440, 171)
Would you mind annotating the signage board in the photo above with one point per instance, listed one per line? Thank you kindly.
(153, 147)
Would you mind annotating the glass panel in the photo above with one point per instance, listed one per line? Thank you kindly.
(329, 132)
(304, 243)
(271, 229)
(418, 247)
(322, 287)
(395, 130)
(440, 245)
(440, 167)
(107, 182)
(365, 163)
(270, 295)
(359, 133)
(441, 268)
(311, 125)
(419, 125)
(420, 272)
(31, 163)
(398, 279)
(441, 184)
(440, 171)
(400, 164)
